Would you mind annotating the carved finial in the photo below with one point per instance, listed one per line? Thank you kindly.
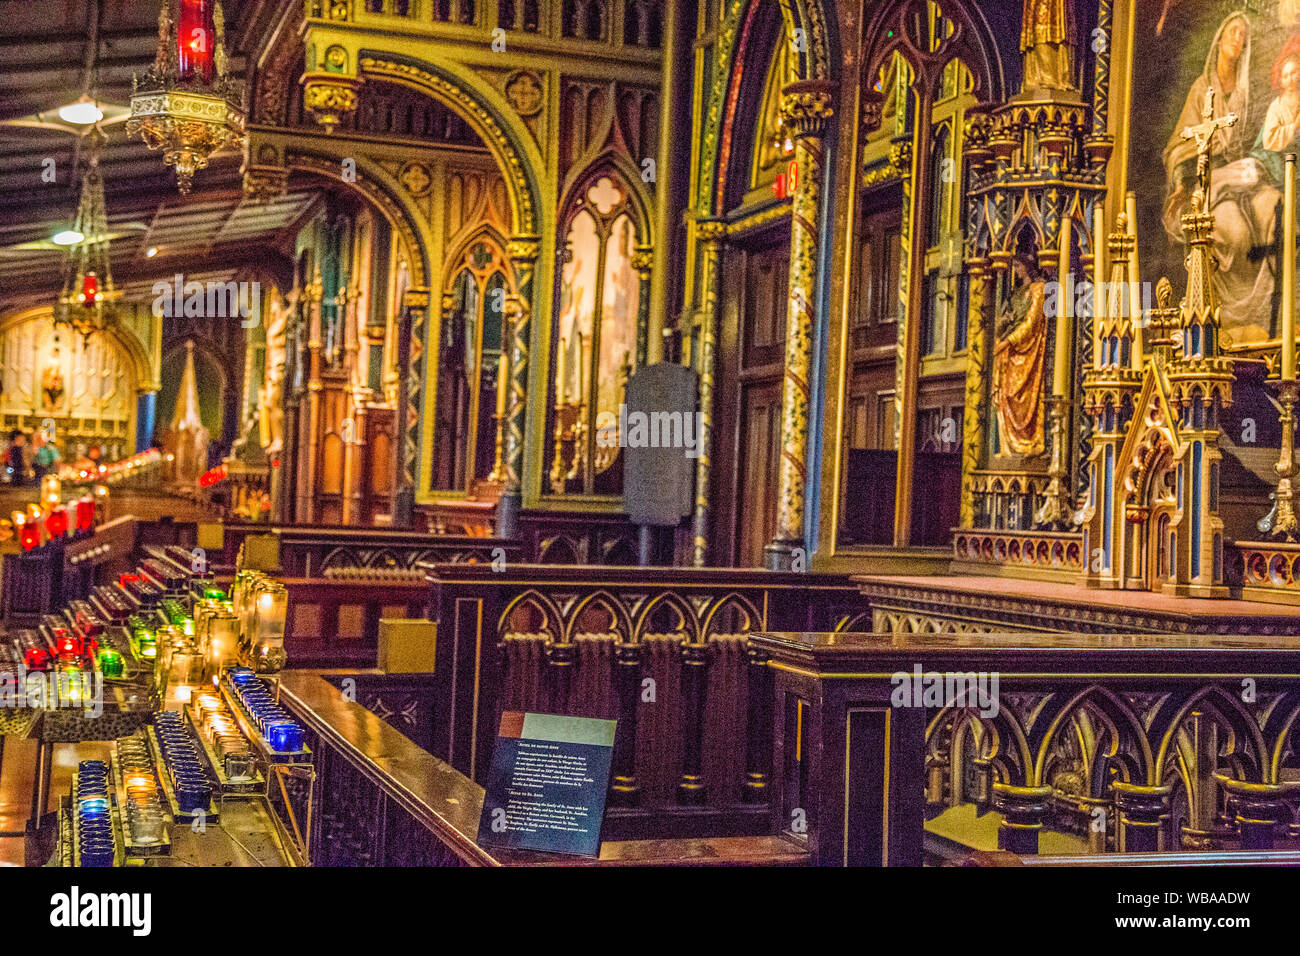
(1164, 292)
(219, 58)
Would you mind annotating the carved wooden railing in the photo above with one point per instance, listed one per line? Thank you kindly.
(1047, 555)
(335, 623)
(1122, 743)
(357, 554)
(379, 800)
(1267, 570)
(663, 650)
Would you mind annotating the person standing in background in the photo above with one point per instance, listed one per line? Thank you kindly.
(45, 460)
(15, 460)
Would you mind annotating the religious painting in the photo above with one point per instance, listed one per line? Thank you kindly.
(1215, 59)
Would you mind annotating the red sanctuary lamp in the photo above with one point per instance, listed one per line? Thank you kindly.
(187, 104)
(195, 40)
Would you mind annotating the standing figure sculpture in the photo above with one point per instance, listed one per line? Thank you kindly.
(1045, 39)
(1018, 363)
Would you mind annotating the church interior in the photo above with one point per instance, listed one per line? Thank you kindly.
(861, 431)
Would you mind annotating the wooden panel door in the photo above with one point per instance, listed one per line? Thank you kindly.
(747, 407)
(760, 464)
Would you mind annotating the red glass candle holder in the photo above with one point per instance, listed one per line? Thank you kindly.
(57, 523)
(195, 36)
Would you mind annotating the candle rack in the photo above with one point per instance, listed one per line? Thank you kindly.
(130, 846)
(208, 814)
(254, 786)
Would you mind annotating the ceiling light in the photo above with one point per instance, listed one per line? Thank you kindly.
(151, 252)
(68, 237)
(84, 112)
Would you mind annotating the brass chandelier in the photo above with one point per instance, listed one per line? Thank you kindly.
(186, 104)
(88, 302)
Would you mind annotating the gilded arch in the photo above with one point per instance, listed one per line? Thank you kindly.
(811, 60)
(383, 192)
(478, 104)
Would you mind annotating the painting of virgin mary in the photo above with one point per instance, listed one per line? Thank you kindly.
(1243, 189)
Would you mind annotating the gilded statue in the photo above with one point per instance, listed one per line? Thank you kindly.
(1045, 39)
(1018, 363)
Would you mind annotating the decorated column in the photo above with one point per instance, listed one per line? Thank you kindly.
(643, 260)
(710, 235)
(522, 251)
(410, 375)
(805, 110)
(314, 294)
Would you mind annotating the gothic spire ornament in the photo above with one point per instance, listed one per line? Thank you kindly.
(186, 104)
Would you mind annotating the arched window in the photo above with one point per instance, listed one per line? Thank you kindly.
(594, 339)
(470, 345)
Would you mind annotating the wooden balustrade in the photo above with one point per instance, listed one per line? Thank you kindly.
(1126, 743)
(346, 552)
(662, 650)
(379, 800)
(335, 623)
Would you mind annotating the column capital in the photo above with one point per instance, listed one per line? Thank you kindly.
(416, 299)
(710, 231)
(523, 248)
(643, 260)
(807, 106)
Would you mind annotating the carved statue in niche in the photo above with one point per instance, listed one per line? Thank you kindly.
(270, 396)
(1045, 39)
(1018, 362)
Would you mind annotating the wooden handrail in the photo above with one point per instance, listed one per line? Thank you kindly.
(449, 804)
(1185, 858)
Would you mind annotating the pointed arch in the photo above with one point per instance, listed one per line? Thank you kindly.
(1169, 718)
(812, 59)
(485, 110)
(688, 620)
(620, 620)
(753, 619)
(1060, 707)
(552, 621)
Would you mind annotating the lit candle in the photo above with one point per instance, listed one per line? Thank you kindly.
(1135, 282)
(1288, 272)
(1064, 317)
(194, 39)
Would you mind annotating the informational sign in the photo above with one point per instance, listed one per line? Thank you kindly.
(547, 787)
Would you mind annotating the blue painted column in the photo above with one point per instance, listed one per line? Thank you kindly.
(145, 409)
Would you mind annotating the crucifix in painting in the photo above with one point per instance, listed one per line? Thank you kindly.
(1203, 132)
